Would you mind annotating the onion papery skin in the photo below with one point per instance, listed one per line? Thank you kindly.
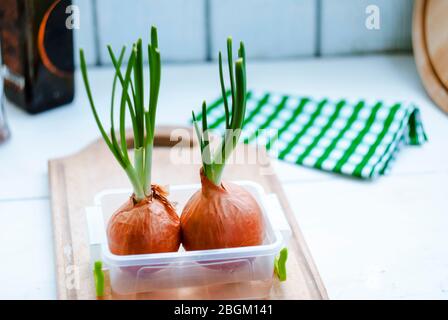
(217, 217)
(148, 226)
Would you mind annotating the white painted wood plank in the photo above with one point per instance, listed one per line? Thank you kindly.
(382, 240)
(418, 174)
(269, 28)
(84, 37)
(289, 172)
(344, 30)
(35, 139)
(180, 23)
(27, 260)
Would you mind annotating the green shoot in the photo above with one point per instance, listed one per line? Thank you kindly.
(98, 275)
(213, 166)
(280, 264)
(133, 101)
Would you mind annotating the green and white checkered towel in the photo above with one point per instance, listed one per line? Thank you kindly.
(356, 138)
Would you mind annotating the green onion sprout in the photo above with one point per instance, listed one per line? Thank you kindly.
(213, 164)
(133, 100)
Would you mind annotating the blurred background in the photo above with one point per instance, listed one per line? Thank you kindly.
(375, 239)
(194, 30)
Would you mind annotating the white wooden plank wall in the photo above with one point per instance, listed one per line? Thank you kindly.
(195, 30)
(180, 23)
(344, 31)
(85, 36)
(269, 28)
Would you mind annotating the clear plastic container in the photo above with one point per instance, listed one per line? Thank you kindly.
(232, 273)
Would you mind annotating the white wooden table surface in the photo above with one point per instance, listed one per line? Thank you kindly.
(381, 239)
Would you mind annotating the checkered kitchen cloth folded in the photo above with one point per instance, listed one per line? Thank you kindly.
(356, 138)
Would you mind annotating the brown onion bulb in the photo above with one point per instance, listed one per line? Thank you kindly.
(149, 226)
(225, 216)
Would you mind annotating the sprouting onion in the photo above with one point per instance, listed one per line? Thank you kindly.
(222, 214)
(213, 165)
(143, 121)
(147, 222)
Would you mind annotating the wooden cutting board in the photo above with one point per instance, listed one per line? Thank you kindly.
(430, 43)
(74, 180)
